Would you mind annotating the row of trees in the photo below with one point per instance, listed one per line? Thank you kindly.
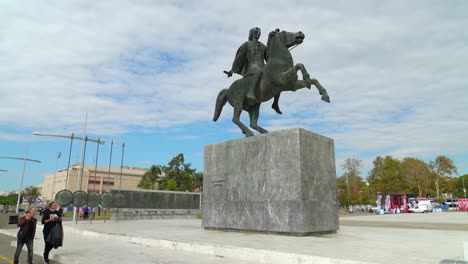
(29, 195)
(390, 175)
(175, 176)
(9, 199)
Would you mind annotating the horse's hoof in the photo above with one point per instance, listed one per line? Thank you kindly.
(277, 109)
(325, 98)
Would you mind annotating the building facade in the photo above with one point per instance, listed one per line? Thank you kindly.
(99, 180)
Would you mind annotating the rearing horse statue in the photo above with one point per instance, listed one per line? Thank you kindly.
(279, 74)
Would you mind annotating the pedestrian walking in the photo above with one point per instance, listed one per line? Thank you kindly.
(26, 233)
(53, 230)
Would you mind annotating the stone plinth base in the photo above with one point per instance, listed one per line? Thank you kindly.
(283, 182)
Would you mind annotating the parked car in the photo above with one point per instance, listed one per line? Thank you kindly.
(12, 209)
(422, 207)
(39, 209)
(451, 202)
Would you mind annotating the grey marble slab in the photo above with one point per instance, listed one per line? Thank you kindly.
(281, 182)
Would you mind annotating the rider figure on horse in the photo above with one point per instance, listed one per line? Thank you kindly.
(249, 62)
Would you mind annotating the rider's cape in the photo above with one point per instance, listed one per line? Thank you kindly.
(245, 57)
(241, 62)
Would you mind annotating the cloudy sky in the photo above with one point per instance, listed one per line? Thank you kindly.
(148, 73)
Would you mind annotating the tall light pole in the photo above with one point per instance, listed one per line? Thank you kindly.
(347, 187)
(464, 189)
(83, 153)
(110, 163)
(55, 175)
(24, 170)
(95, 166)
(121, 166)
(72, 137)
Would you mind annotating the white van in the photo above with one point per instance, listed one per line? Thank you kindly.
(422, 207)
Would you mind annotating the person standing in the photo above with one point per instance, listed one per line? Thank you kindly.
(85, 212)
(50, 218)
(26, 233)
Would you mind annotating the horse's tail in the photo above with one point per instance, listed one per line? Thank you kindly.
(220, 102)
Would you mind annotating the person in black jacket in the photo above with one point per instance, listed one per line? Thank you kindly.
(50, 218)
(26, 233)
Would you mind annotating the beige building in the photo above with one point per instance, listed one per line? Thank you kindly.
(99, 180)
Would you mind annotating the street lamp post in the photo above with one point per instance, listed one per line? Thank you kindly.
(121, 166)
(95, 167)
(69, 157)
(55, 175)
(24, 170)
(110, 163)
(72, 137)
(464, 189)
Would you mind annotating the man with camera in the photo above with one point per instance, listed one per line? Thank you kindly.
(26, 233)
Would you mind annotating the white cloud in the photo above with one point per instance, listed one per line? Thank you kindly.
(395, 72)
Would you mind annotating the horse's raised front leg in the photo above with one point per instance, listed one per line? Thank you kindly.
(305, 74)
(236, 120)
(254, 113)
(315, 82)
(321, 90)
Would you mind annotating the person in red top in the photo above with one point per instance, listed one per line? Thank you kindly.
(26, 233)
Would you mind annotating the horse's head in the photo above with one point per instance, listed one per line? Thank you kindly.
(287, 39)
(281, 41)
(290, 39)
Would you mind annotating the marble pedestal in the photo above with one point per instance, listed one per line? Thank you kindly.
(282, 182)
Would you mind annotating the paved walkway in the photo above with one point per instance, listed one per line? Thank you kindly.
(437, 221)
(7, 252)
(81, 248)
(184, 241)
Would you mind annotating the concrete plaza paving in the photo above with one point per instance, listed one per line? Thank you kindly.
(361, 239)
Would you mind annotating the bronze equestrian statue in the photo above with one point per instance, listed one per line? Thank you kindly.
(261, 83)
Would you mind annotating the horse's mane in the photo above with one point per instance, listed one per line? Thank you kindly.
(270, 37)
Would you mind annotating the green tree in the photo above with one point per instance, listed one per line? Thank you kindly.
(175, 168)
(9, 199)
(442, 167)
(449, 185)
(30, 194)
(350, 185)
(171, 185)
(387, 176)
(419, 176)
(186, 178)
(150, 178)
(197, 182)
(462, 186)
(183, 176)
(375, 175)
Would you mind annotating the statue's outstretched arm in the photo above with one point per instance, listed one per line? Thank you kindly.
(229, 73)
